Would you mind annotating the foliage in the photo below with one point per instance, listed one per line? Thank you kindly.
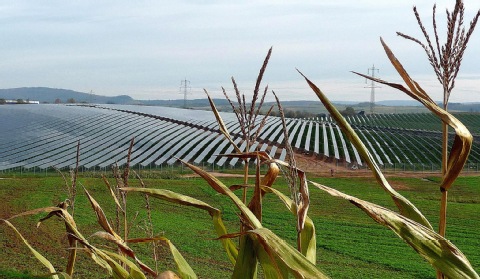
(348, 111)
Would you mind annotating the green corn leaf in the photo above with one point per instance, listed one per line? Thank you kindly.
(135, 272)
(184, 269)
(246, 265)
(294, 261)
(170, 196)
(405, 206)
(438, 251)
(272, 269)
(35, 253)
(103, 259)
(173, 197)
(307, 235)
(221, 124)
(117, 270)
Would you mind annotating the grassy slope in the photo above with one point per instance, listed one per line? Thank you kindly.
(349, 243)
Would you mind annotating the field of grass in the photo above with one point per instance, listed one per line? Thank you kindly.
(349, 244)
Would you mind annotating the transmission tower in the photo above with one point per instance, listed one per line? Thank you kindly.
(185, 90)
(372, 88)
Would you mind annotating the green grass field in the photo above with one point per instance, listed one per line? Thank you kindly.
(349, 244)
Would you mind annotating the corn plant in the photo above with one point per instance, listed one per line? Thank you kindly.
(409, 223)
(246, 115)
(445, 60)
(116, 264)
(463, 138)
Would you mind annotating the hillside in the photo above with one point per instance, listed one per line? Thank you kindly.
(49, 95)
(302, 107)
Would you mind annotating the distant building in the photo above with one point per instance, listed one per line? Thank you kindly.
(14, 102)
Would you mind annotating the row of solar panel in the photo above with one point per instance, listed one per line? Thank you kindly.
(46, 136)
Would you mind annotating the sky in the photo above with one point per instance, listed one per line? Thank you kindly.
(146, 48)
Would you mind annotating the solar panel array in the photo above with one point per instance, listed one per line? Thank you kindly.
(44, 136)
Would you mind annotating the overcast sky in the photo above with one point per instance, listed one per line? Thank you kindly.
(145, 48)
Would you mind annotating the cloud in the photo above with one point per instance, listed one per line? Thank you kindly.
(147, 47)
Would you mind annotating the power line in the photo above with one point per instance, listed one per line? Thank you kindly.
(372, 88)
(185, 90)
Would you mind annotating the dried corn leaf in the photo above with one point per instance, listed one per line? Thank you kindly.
(35, 253)
(218, 186)
(110, 234)
(125, 250)
(145, 239)
(273, 169)
(170, 196)
(406, 208)
(103, 260)
(221, 124)
(101, 217)
(463, 138)
(112, 193)
(117, 271)
(255, 204)
(70, 227)
(271, 175)
(438, 251)
(304, 202)
(62, 213)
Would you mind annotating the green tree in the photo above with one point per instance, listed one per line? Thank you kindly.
(290, 114)
(348, 111)
(2, 101)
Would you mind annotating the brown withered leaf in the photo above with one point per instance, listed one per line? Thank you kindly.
(463, 138)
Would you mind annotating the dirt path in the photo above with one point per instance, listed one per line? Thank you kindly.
(317, 167)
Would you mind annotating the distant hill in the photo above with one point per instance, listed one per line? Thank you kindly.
(400, 103)
(49, 95)
(196, 103)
